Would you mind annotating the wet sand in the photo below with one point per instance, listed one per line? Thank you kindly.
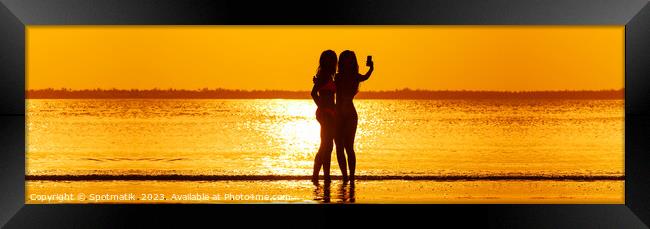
(303, 191)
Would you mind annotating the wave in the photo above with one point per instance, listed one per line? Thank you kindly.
(166, 177)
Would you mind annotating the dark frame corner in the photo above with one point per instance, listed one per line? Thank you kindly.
(15, 15)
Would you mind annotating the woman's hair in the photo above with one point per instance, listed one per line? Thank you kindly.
(326, 65)
(348, 70)
(348, 63)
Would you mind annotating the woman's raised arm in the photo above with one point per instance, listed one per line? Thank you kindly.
(367, 75)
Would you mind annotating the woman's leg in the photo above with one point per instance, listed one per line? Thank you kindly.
(318, 161)
(340, 152)
(317, 164)
(326, 157)
(350, 133)
(327, 145)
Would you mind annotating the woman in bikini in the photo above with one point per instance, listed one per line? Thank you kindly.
(323, 95)
(347, 85)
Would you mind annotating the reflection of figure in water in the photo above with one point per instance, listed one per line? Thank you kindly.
(347, 85)
(325, 189)
(352, 193)
(344, 195)
(323, 95)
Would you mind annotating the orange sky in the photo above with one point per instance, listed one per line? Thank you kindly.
(286, 57)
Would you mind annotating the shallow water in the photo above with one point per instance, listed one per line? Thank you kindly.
(280, 137)
(391, 191)
(408, 151)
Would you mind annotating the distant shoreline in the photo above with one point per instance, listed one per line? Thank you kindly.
(279, 94)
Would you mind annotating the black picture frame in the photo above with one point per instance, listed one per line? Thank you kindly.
(15, 15)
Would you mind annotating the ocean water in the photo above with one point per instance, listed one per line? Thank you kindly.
(473, 138)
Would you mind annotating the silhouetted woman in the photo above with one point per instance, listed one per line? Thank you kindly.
(347, 85)
(323, 95)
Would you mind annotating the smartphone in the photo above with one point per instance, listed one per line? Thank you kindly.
(368, 60)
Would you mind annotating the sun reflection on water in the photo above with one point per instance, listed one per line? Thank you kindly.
(298, 135)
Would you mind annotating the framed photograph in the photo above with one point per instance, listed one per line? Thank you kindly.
(526, 114)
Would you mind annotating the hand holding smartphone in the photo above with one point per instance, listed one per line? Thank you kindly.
(369, 61)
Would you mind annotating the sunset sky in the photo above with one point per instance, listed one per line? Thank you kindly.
(515, 58)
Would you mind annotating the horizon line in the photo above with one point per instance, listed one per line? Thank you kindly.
(405, 93)
(63, 89)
